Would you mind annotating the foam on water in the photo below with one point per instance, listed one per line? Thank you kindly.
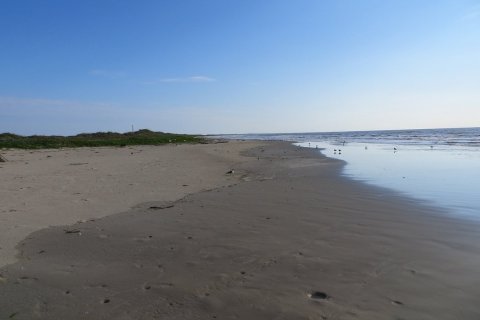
(459, 137)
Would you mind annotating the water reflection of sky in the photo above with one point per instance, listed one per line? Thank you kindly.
(448, 176)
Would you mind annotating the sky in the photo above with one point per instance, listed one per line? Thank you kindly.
(238, 66)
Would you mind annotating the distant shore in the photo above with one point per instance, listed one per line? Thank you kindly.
(247, 230)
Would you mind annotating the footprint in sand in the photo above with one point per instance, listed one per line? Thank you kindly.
(147, 287)
(27, 279)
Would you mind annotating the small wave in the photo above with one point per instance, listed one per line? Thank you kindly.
(466, 137)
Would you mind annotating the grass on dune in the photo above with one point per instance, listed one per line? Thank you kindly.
(98, 139)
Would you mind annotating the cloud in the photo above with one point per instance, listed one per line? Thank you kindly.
(197, 79)
(22, 108)
(16, 102)
(55, 116)
(107, 73)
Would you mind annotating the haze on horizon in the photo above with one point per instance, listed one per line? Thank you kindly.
(238, 66)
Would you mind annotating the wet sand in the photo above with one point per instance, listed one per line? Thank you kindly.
(287, 238)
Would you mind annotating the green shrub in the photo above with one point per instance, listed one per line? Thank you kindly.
(97, 139)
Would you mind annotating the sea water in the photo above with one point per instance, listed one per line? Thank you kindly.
(441, 166)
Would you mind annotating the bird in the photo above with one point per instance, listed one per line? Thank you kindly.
(230, 172)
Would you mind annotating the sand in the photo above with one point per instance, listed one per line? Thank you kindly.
(43, 188)
(284, 237)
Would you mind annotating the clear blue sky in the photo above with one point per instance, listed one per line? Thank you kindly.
(236, 66)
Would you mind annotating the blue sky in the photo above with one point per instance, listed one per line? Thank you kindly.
(237, 66)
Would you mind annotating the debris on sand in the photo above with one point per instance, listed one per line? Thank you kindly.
(318, 295)
(77, 163)
(71, 230)
(161, 207)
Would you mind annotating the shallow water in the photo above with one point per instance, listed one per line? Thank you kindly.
(441, 166)
(449, 177)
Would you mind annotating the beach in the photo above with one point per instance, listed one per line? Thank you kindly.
(169, 232)
(48, 187)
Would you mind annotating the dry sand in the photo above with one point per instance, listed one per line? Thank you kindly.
(293, 240)
(44, 188)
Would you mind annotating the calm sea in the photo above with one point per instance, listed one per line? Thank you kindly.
(440, 166)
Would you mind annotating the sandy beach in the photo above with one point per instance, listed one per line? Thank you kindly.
(42, 188)
(165, 233)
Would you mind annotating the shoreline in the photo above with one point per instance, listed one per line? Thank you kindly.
(291, 239)
(427, 175)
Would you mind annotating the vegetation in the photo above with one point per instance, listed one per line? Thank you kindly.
(98, 139)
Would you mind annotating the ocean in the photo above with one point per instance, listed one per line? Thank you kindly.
(438, 166)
